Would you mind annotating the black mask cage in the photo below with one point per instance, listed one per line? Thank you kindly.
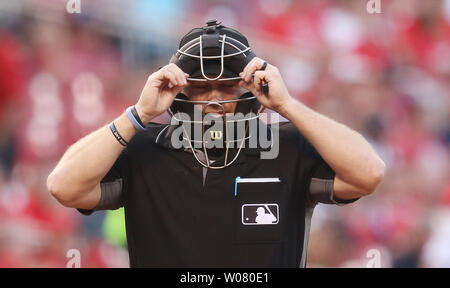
(214, 52)
(210, 53)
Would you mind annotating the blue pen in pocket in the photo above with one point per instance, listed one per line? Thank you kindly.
(252, 180)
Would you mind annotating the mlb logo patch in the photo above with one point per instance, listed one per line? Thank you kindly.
(260, 214)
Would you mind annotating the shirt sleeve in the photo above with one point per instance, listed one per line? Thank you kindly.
(319, 176)
(112, 186)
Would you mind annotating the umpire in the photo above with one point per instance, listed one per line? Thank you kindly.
(190, 204)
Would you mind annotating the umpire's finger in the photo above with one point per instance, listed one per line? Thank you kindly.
(179, 74)
(251, 67)
(247, 67)
(258, 78)
(169, 75)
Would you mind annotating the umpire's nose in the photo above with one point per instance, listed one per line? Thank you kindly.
(215, 95)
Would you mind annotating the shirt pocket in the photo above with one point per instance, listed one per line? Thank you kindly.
(259, 210)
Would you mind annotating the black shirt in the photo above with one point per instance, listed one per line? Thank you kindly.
(175, 219)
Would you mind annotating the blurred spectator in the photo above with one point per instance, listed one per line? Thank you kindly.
(12, 79)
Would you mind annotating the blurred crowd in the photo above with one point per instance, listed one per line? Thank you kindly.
(385, 75)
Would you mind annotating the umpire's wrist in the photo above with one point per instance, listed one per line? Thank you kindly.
(124, 127)
(145, 118)
(287, 108)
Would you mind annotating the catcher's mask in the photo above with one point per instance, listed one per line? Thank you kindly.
(214, 53)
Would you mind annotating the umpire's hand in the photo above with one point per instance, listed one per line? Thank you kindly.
(159, 91)
(278, 97)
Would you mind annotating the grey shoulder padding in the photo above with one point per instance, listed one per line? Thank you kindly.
(111, 195)
(110, 199)
(321, 190)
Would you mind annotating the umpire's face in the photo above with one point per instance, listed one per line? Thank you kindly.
(215, 91)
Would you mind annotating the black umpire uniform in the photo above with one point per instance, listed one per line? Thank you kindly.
(254, 213)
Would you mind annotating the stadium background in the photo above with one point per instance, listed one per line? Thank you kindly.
(386, 75)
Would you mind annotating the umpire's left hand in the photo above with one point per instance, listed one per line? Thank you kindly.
(278, 96)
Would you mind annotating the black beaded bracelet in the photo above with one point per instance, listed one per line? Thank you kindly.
(117, 135)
